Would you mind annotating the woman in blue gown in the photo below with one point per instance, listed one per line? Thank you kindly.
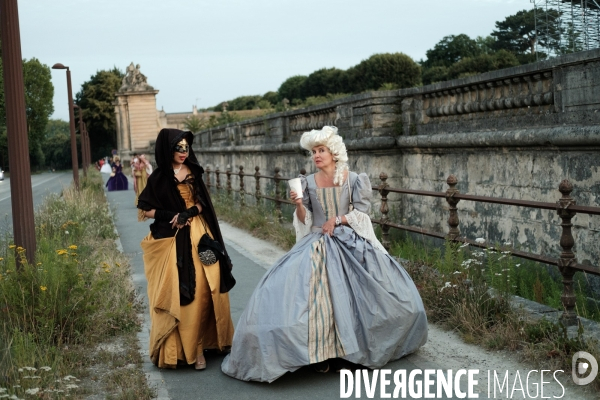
(337, 293)
(117, 180)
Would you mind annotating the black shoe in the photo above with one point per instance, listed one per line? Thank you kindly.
(322, 367)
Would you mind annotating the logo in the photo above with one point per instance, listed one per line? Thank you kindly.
(581, 368)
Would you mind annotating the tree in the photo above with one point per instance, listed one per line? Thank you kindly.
(194, 123)
(39, 92)
(291, 88)
(38, 108)
(517, 33)
(450, 50)
(271, 97)
(323, 82)
(380, 69)
(482, 63)
(96, 99)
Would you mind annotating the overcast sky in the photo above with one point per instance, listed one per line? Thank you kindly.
(203, 52)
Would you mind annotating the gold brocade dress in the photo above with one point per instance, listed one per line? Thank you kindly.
(182, 332)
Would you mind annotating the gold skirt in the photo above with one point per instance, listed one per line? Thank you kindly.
(182, 332)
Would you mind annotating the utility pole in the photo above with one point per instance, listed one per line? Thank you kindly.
(16, 125)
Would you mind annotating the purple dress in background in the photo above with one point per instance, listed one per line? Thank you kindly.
(118, 181)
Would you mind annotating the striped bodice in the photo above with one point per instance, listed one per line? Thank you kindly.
(329, 198)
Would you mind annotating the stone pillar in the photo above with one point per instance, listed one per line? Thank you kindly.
(137, 118)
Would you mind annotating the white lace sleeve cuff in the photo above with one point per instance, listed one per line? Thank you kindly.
(303, 229)
(362, 225)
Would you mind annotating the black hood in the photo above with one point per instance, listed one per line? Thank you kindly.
(166, 140)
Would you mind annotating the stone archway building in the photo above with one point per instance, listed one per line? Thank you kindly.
(136, 114)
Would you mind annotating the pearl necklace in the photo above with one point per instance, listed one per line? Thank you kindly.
(176, 170)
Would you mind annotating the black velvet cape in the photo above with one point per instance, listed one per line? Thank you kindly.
(161, 193)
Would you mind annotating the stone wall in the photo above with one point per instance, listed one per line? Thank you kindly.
(513, 133)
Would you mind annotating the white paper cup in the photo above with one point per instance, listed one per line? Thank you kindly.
(296, 186)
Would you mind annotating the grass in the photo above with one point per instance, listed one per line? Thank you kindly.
(500, 270)
(75, 297)
(455, 283)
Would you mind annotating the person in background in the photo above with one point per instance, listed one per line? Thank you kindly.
(140, 169)
(117, 180)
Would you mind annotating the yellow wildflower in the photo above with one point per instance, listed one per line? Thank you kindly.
(61, 252)
(74, 254)
(73, 247)
(1, 259)
(117, 264)
(39, 264)
(43, 288)
(20, 249)
(12, 246)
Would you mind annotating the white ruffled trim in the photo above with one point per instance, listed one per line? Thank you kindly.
(362, 225)
(303, 229)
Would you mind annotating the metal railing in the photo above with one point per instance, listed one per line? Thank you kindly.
(565, 207)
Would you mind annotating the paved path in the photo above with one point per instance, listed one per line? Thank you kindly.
(187, 383)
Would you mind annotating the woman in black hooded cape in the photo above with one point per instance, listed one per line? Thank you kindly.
(189, 313)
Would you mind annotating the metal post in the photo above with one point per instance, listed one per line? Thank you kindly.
(228, 173)
(453, 221)
(208, 176)
(385, 236)
(74, 161)
(567, 258)
(242, 191)
(277, 178)
(84, 161)
(257, 193)
(218, 179)
(88, 150)
(16, 126)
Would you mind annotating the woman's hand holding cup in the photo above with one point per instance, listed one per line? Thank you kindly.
(294, 196)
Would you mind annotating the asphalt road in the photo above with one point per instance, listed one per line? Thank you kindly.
(187, 383)
(41, 184)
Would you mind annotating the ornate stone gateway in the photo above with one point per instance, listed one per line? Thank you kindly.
(135, 109)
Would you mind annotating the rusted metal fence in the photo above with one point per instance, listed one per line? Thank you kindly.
(566, 208)
(279, 198)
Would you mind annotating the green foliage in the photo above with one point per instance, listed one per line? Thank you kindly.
(496, 268)
(471, 66)
(272, 97)
(57, 144)
(38, 105)
(194, 123)
(451, 49)
(379, 69)
(323, 82)
(315, 100)
(482, 63)
(96, 99)
(485, 44)
(39, 92)
(517, 32)
(77, 293)
(292, 88)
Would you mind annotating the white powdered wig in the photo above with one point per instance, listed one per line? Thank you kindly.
(329, 138)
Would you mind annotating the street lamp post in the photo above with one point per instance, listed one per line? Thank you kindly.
(84, 160)
(74, 161)
(88, 152)
(16, 126)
